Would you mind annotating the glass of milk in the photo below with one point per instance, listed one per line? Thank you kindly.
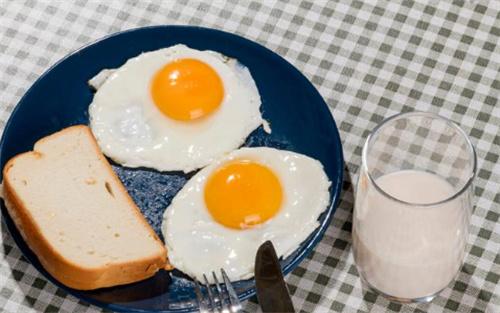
(413, 205)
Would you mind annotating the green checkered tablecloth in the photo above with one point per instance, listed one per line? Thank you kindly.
(369, 60)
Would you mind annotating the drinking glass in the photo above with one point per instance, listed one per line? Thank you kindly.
(412, 206)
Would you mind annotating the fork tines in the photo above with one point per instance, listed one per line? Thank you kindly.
(222, 298)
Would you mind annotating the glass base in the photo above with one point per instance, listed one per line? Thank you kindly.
(425, 299)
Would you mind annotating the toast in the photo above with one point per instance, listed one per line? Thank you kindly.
(75, 214)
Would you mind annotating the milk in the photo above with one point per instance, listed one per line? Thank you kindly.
(409, 251)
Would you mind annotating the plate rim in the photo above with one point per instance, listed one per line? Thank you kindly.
(317, 234)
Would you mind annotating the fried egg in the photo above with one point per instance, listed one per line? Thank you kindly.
(174, 109)
(229, 208)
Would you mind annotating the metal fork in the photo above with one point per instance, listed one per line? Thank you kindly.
(216, 301)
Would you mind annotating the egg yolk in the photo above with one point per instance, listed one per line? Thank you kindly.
(242, 194)
(187, 89)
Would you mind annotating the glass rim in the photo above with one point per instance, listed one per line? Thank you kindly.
(466, 185)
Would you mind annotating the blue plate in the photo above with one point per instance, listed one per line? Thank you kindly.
(299, 117)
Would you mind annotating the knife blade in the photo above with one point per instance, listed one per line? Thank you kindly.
(272, 292)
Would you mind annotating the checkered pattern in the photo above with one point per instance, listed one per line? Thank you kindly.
(369, 61)
(424, 142)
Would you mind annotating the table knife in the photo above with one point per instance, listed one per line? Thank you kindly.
(271, 288)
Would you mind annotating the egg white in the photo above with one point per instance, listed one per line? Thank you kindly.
(132, 131)
(197, 244)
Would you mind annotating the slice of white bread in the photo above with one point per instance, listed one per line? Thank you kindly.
(75, 214)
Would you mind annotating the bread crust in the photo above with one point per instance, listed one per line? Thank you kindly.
(67, 272)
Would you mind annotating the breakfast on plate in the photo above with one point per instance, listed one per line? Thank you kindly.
(173, 109)
(152, 182)
(75, 214)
